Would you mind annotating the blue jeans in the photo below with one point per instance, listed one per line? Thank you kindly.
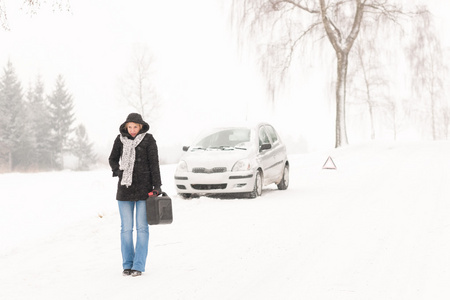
(133, 258)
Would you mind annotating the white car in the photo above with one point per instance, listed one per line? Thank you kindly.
(239, 159)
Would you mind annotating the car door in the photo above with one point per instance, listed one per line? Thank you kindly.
(278, 153)
(266, 155)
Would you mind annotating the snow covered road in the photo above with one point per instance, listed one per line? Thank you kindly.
(378, 227)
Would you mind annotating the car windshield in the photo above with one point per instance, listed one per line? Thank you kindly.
(224, 139)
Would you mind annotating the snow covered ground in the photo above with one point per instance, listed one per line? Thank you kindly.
(378, 227)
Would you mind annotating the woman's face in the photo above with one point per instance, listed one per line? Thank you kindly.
(133, 128)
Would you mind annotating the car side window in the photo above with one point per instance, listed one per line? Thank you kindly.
(272, 133)
(263, 138)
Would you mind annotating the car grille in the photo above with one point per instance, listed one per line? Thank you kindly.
(209, 186)
(209, 171)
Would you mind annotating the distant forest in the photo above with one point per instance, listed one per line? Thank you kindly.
(37, 130)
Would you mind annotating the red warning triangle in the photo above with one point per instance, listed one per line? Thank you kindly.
(329, 164)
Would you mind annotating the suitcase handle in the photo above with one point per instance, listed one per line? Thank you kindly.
(162, 194)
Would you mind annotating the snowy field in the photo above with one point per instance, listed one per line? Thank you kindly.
(376, 228)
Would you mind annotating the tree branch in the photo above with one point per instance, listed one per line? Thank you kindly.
(292, 47)
(356, 26)
(294, 3)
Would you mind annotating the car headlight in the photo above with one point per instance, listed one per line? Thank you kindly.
(182, 167)
(241, 165)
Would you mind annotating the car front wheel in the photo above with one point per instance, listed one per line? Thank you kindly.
(257, 189)
(284, 183)
(186, 196)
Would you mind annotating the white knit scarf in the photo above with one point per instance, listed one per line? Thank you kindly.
(128, 157)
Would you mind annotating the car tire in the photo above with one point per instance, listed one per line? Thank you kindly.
(185, 196)
(257, 189)
(284, 183)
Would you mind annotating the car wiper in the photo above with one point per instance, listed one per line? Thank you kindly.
(222, 147)
(197, 148)
(227, 148)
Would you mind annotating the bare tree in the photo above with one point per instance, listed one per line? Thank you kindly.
(31, 7)
(429, 70)
(392, 106)
(55, 4)
(3, 16)
(368, 82)
(137, 86)
(362, 88)
(289, 22)
(446, 120)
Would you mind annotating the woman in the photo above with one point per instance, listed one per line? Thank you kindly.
(134, 159)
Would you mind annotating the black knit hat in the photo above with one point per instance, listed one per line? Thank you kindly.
(135, 118)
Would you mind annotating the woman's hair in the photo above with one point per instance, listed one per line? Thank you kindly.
(126, 124)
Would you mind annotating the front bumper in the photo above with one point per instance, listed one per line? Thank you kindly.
(214, 183)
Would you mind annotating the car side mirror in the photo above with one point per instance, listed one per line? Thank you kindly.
(185, 148)
(265, 147)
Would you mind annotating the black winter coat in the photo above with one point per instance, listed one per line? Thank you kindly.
(146, 174)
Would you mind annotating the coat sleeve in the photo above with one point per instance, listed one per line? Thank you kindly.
(115, 155)
(154, 163)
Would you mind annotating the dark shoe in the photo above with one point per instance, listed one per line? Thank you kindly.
(126, 272)
(135, 273)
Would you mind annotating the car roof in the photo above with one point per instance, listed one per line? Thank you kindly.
(246, 124)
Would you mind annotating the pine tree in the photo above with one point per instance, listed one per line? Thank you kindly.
(82, 149)
(61, 120)
(41, 156)
(14, 142)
